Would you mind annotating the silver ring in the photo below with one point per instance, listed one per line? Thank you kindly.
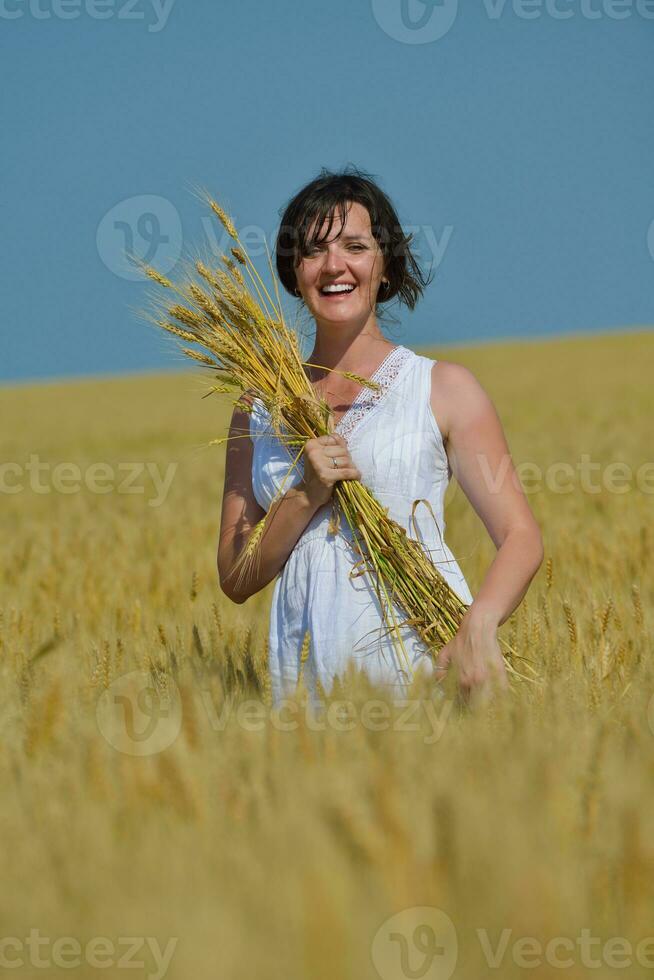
(334, 462)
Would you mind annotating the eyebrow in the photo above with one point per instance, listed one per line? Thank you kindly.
(349, 238)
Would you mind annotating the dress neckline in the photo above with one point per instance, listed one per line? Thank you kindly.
(361, 388)
(367, 398)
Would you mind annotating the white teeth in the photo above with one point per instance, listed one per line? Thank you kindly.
(340, 288)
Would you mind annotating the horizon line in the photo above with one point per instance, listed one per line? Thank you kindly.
(585, 334)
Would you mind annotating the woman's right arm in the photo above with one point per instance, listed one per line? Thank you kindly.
(288, 516)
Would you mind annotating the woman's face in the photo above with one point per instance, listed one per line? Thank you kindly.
(353, 259)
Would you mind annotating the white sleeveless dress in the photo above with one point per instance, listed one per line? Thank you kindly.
(395, 442)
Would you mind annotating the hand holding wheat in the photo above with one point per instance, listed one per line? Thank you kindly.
(320, 473)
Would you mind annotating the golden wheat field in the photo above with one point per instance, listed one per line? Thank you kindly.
(210, 838)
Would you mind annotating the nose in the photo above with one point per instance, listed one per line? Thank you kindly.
(333, 261)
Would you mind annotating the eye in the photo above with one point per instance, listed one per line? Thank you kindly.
(358, 248)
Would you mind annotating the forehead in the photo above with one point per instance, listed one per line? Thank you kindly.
(357, 222)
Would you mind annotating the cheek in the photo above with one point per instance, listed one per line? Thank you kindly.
(373, 265)
(305, 272)
(365, 268)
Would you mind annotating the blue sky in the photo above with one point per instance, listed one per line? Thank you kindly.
(514, 138)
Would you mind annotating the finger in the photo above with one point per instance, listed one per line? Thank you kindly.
(443, 658)
(499, 676)
(342, 458)
(501, 679)
(346, 473)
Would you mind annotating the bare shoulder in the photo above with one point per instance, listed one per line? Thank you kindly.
(456, 393)
(242, 408)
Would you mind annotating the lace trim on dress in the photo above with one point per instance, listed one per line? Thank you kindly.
(366, 400)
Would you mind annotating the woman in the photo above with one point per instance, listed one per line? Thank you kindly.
(428, 420)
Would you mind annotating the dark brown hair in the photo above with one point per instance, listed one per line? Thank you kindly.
(320, 199)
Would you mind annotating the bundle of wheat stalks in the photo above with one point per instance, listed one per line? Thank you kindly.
(254, 351)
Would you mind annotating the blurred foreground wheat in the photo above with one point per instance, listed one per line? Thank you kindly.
(280, 853)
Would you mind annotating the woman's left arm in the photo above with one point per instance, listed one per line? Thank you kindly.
(481, 462)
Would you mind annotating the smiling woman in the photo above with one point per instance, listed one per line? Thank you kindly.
(402, 436)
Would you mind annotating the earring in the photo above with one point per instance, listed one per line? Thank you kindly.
(296, 291)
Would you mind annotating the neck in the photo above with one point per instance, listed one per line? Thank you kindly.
(346, 346)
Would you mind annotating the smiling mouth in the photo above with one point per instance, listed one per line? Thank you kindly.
(337, 293)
